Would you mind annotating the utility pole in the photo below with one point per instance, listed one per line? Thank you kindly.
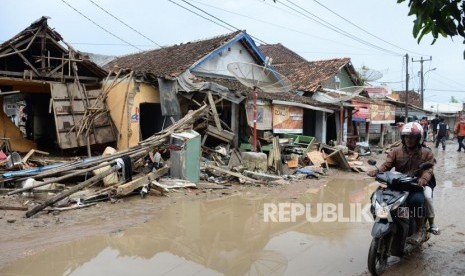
(406, 88)
(422, 102)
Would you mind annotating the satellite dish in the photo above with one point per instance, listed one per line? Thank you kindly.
(339, 96)
(333, 96)
(367, 74)
(256, 76)
(264, 78)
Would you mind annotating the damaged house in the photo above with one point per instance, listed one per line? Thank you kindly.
(50, 94)
(153, 89)
(314, 80)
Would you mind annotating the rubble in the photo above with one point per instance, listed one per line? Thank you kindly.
(80, 183)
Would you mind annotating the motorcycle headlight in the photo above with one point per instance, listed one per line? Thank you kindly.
(398, 202)
(382, 210)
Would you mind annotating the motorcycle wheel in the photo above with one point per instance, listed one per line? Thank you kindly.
(377, 256)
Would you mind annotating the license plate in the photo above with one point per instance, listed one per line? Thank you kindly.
(382, 212)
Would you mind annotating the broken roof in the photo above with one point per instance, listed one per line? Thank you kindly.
(310, 76)
(43, 54)
(170, 62)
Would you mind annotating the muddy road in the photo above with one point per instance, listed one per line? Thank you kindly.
(235, 232)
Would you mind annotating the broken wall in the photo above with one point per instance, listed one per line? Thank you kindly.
(123, 101)
(9, 130)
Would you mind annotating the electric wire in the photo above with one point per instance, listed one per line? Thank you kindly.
(232, 30)
(119, 20)
(360, 28)
(96, 24)
(335, 28)
(222, 21)
(280, 26)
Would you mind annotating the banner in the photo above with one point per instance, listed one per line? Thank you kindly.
(382, 114)
(288, 119)
(264, 115)
(362, 112)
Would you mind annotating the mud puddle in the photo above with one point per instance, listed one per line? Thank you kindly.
(226, 237)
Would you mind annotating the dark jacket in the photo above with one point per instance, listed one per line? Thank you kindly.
(405, 162)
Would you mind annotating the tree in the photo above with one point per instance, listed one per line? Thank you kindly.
(437, 17)
(453, 100)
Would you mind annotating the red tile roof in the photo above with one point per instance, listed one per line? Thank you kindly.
(170, 61)
(309, 76)
(280, 54)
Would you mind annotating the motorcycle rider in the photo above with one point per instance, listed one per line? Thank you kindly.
(406, 159)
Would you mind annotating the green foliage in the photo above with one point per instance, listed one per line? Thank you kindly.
(437, 18)
(453, 100)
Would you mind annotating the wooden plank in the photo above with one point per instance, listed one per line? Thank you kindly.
(222, 135)
(129, 187)
(316, 157)
(238, 175)
(71, 191)
(215, 112)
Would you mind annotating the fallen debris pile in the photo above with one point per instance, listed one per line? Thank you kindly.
(171, 159)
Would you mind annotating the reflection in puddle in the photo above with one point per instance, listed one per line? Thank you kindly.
(225, 236)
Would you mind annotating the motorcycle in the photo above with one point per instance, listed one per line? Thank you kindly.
(393, 219)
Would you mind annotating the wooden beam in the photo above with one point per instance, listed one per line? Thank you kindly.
(215, 112)
(71, 191)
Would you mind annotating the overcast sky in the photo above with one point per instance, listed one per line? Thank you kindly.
(375, 34)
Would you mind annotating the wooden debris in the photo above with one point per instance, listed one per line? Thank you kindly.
(238, 175)
(316, 158)
(129, 187)
(261, 176)
(31, 152)
(66, 193)
(14, 208)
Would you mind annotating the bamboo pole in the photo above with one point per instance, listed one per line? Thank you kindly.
(71, 191)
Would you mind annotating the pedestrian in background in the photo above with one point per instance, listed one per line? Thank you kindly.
(434, 126)
(424, 123)
(459, 130)
(441, 130)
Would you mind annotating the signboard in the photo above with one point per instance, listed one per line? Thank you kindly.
(264, 115)
(382, 114)
(362, 112)
(377, 92)
(288, 119)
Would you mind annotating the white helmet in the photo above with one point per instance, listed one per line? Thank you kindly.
(412, 129)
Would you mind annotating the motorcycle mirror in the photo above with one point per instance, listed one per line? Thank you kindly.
(371, 162)
(426, 166)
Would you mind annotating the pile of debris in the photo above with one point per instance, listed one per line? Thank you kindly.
(172, 158)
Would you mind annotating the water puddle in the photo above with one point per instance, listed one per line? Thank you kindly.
(224, 237)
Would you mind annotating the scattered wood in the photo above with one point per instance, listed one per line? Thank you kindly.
(31, 152)
(73, 207)
(127, 188)
(66, 193)
(261, 176)
(168, 183)
(14, 208)
(238, 175)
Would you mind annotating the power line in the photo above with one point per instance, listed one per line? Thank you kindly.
(375, 36)
(446, 90)
(335, 28)
(125, 24)
(96, 24)
(224, 22)
(201, 16)
(280, 26)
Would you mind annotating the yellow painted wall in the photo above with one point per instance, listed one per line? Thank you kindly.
(9, 130)
(118, 102)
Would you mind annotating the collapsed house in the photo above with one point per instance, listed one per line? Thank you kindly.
(183, 101)
(50, 94)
